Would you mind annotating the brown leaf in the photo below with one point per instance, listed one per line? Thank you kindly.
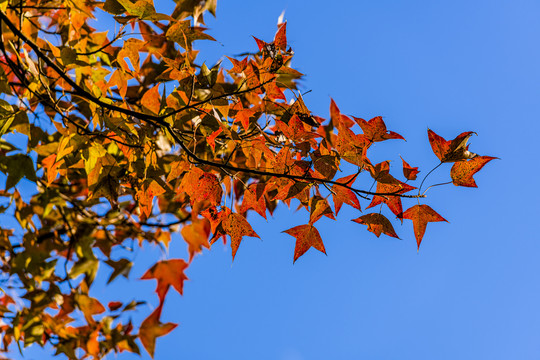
(51, 166)
(377, 224)
(88, 306)
(274, 92)
(131, 51)
(238, 66)
(420, 216)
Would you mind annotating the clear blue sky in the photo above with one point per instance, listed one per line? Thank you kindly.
(472, 292)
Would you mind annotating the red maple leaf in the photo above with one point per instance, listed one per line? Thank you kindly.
(238, 66)
(236, 226)
(307, 236)
(341, 195)
(420, 216)
(451, 150)
(377, 224)
(375, 129)
(319, 207)
(409, 172)
(393, 202)
(280, 40)
(381, 173)
(462, 172)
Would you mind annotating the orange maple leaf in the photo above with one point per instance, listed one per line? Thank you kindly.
(238, 66)
(211, 139)
(215, 217)
(201, 186)
(151, 329)
(51, 165)
(377, 224)
(274, 92)
(151, 100)
(167, 273)
(337, 119)
(420, 216)
(254, 199)
(146, 197)
(462, 172)
(196, 235)
(307, 236)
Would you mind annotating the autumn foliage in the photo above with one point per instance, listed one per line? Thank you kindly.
(129, 139)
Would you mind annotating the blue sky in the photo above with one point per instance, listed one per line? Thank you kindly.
(472, 291)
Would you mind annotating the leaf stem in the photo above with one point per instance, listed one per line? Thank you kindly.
(445, 183)
(425, 177)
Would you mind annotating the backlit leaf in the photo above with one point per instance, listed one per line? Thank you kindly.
(462, 171)
(377, 224)
(307, 236)
(451, 150)
(196, 236)
(409, 172)
(151, 328)
(420, 216)
(236, 226)
(375, 129)
(167, 273)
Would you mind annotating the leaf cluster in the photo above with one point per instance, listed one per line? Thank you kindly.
(131, 140)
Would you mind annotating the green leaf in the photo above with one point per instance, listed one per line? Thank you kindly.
(141, 8)
(121, 267)
(19, 165)
(4, 83)
(85, 266)
(68, 55)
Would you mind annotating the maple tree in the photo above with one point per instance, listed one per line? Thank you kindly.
(129, 140)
